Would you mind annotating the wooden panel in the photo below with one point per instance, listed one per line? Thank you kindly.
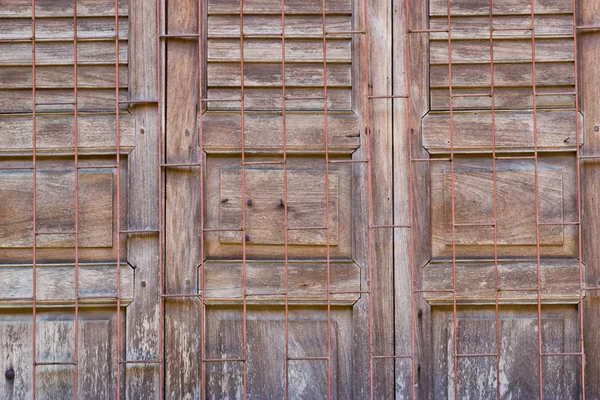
(307, 282)
(229, 25)
(56, 284)
(523, 7)
(271, 7)
(61, 77)
(20, 101)
(63, 8)
(266, 337)
(264, 193)
(305, 132)
(97, 133)
(514, 131)
(56, 208)
(61, 53)
(55, 332)
(559, 279)
(61, 29)
(264, 218)
(519, 372)
(516, 223)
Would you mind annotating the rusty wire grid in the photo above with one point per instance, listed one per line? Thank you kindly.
(372, 100)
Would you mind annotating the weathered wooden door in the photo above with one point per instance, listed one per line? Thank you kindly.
(308, 199)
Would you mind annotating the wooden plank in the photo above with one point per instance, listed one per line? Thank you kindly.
(184, 316)
(229, 25)
(89, 100)
(55, 133)
(519, 368)
(307, 282)
(505, 75)
(271, 99)
(514, 131)
(269, 50)
(61, 77)
(589, 58)
(478, 27)
(54, 8)
(473, 7)
(305, 132)
(505, 51)
(270, 7)
(62, 28)
(56, 284)
(61, 53)
(142, 340)
(504, 98)
(559, 277)
(269, 75)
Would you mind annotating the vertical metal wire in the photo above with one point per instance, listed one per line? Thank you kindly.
(76, 177)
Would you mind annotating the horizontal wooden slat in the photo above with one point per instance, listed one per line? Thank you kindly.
(271, 24)
(269, 50)
(307, 282)
(559, 282)
(61, 53)
(61, 77)
(271, 99)
(52, 8)
(269, 75)
(504, 98)
(55, 133)
(62, 28)
(478, 27)
(274, 7)
(305, 132)
(505, 51)
(470, 7)
(513, 75)
(19, 101)
(514, 131)
(56, 284)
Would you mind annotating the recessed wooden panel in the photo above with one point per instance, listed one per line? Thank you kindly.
(306, 204)
(55, 331)
(307, 236)
(266, 362)
(515, 207)
(556, 131)
(518, 352)
(56, 208)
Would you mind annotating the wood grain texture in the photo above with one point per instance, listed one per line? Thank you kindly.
(61, 28)
(56, 284)
(589, 47)
(307, 283)
(519, 373)
(514, 131)
(141, 339)
(266, 335)
(183, 317)
(515, 205)
(63, 8)
(476, 282)
(271, 7)
(511, 7)
(55, 331)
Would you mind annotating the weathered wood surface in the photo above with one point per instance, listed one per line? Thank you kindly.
(510, 7)
(307, 282)
(63, 8)
(476, 282)
(513, 131)
(56, 284)
(519, 372)
(273, 7)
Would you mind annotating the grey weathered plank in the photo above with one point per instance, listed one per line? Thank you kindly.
(61, 53)
(142, 339)
(274, 7)
(89, 100)
(470, 7)
(183, 323)
(61, 77)
(61, 29)
(269, 24)
(63, 8)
